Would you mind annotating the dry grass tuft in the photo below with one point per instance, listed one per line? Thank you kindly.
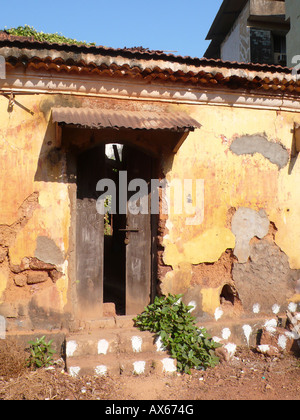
(12, 359)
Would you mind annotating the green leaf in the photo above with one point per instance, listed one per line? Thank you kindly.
(169, 317)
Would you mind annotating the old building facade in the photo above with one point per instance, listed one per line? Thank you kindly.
(223, 137)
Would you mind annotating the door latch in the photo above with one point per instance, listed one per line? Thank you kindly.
(127, 231)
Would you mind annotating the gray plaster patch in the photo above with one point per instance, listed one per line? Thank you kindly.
(266, 279)
(249, 145)
(47, 251)
(246, 224)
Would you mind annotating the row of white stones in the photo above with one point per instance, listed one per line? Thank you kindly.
(168, 364)
(292, 307)
(138, 368)
(103, 346)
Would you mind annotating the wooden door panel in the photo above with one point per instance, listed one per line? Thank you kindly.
(138, 248)
(89, 235)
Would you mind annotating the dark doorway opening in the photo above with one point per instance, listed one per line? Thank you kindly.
(115, 263)
(114, 280)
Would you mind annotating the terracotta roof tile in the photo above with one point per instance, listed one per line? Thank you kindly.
(139, 63)
(139, 52)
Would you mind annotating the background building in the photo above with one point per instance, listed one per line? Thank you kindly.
(257, 31)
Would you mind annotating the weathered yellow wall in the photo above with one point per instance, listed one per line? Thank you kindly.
(25, 140)
(231, 181)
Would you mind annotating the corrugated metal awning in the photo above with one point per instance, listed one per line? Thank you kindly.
(141, 120)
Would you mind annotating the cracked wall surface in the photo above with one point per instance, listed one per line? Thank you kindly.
(249, 187)
(33, 277)
(246, 224)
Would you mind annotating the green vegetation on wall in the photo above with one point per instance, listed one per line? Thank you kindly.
(29, 31)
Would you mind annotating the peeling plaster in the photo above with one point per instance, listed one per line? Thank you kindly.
(249, 145)
(48, 251)
(247, 223)
(265, 282)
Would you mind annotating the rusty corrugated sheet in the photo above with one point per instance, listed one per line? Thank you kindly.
(103, 118)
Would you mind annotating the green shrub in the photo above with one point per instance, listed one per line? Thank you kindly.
(29, 31)
(41, 353)
(171, 319)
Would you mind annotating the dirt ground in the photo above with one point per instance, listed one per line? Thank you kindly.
(248, 376)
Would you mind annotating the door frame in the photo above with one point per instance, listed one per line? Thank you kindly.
(72, 168)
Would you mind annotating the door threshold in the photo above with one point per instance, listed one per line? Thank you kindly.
(118, 321)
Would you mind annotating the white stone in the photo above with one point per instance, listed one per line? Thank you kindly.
(169, 365)
(231, 349)
(103, 346)
(226, 333)
(256, 308)
(193, 304)
(136, 344)
(263, 348)
(271, 325)
(292, 307)
(282, 340)
(275, 308)
(218, 313)
(71, 348)
(101, 370)
(139, 367)
(159, 344)
(74, 371)
(247, 331)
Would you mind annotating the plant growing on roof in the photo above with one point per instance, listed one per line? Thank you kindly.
(171, 319)
(29, 31)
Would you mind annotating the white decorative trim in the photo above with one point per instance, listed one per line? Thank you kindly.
(114, 88)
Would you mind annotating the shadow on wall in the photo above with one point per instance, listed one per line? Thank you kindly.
(294, 154)
(52, 162)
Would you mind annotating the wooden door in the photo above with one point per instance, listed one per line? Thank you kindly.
(138, 238)
(89, 235)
